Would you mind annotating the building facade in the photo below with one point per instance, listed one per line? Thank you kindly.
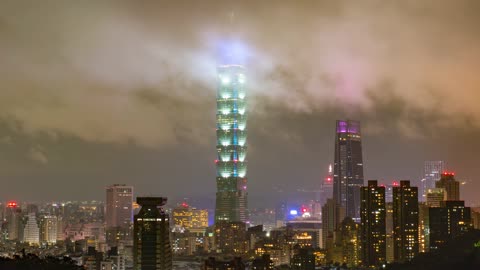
(447, 222)
(373, 227)
(231, 162)
(405, 221)
(450, 185)
(348, 167)
(118, 207)
(151, 242)
(31, 232)
(432, 172)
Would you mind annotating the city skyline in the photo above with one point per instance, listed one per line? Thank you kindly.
(86, 103)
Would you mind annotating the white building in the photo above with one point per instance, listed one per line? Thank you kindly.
(31, 233)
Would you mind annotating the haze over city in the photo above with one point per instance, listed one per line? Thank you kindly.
(95, 93)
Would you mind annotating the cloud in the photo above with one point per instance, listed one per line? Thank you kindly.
(83, 69)
(37, 154)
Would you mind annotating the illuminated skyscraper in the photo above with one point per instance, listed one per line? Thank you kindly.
(348, 167)
(31, 232)
(432, 173)
(231, 163)
(13, 216)
(373, 226)
(151, 242)
(405, 221)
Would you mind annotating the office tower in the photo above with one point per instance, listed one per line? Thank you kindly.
(151, 242)
(326, 187)
(432, 172)
(48, 229)
(31, 232)
(13, 216)
(435, 196)
(348, 167)
(373, 224)
(119, 206)
(199, 218)
(230, 238)
(405, 221)
(330, 219)
(447, 222)
(231, 163)
(118, 213)
(389, 231)
(188, 217)
(451, 186)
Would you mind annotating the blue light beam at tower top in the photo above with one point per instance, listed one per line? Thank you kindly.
(231, 52)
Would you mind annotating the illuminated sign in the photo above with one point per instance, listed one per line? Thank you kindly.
(293, 212)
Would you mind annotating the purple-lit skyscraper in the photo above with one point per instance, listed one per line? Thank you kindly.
(348, 167)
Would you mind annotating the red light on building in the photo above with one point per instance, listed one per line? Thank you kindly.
(446, 173)
(328, 179)
(395, 183)
(12, 204)
(184, 204)
(304, 210)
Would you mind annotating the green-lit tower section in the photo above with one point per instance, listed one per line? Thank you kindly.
(231, 162)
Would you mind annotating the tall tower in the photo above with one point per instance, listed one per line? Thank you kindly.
(118, 213)
(373, 226)
(231, 162)
(151, 242)
(432, 173)
(348, 167)
(450, 185)
(119, 206)
(405, 221)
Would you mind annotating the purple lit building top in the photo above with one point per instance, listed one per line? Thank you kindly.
(348, 126)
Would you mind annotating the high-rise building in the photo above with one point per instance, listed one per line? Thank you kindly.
(230, 238)
(450, 185)
(326, 188)
(332, 216)
(118, 214)
(348, 167)
(389, 230)
(435, 196)
(48, 229)
(151, 242)
(31, 233)
(119, 206)
(389, 191)
(432, 172)
(189, 217)
(447, 222)
(373, 227)
(231, 162)
(405, 221)
(13, 216)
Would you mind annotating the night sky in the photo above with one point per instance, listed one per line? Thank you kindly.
(100, 92)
